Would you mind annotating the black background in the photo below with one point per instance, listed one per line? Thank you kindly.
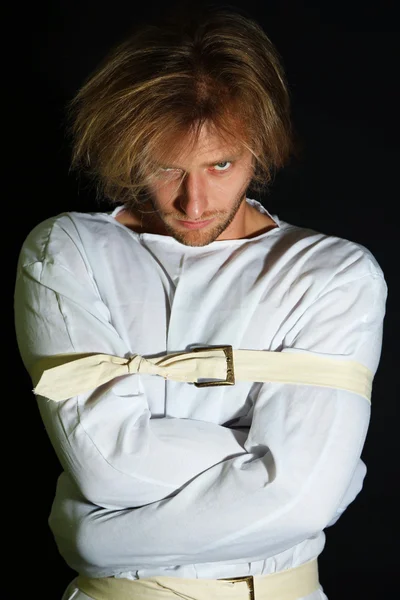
(342, 63)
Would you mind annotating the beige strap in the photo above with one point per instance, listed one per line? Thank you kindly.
(290, 584)
(64, 376)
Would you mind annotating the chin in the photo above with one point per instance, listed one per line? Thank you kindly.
(201, 237)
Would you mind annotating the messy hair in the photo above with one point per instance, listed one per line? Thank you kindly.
(213, 67)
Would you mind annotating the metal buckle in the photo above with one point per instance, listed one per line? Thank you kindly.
(248, 579)
(230, 373)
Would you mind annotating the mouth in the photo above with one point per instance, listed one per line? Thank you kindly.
(194, 224)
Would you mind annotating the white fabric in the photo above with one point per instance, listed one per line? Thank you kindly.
(155, 482)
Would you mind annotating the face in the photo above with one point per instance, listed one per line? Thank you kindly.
(202, 198)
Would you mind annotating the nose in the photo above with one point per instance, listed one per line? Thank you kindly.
(193, 201)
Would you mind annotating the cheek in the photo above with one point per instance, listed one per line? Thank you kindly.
(162, 193)
(233, 183)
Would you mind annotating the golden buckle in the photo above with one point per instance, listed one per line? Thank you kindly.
(230, 373)
(248, 579)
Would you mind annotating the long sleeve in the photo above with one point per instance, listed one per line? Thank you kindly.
(105, 440)
(304, 448)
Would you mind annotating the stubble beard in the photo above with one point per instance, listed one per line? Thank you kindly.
(203, 237)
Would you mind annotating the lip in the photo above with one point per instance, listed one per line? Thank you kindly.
(194, 224)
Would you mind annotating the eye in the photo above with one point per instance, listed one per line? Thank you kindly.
(225, 162)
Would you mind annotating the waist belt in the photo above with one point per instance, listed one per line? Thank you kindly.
(290, 584)
(64, 376)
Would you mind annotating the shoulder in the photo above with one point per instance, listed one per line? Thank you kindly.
(339, 296)
(36, 243)
(60, 235)
(328, 256)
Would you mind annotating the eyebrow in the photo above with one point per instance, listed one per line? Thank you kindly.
(230, 158)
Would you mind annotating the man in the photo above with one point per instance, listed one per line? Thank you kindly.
(203, 368)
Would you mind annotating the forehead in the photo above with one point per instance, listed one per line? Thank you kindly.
(208, 148)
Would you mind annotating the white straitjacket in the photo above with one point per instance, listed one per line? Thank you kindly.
(162, 477)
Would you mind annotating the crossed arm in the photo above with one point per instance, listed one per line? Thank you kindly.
(134, 479)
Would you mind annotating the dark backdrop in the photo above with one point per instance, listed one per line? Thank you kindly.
(342, 65)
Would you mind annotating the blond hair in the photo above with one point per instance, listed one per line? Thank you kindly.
(216, 67)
